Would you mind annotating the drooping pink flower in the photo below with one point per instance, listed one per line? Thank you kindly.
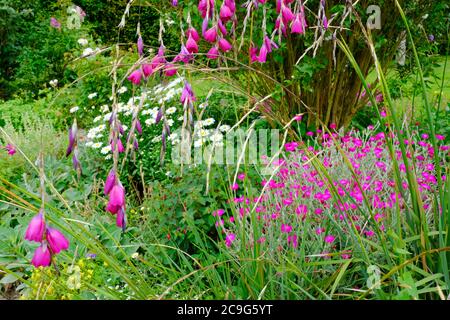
(110, 181)
(213, 53)
(191, 45)
(174, 3)
(235, 186)
(117, 196)
(297, 25)
(253, 54)
(225, 13)
(147, 70)
(135, 77)
(241, 176)
(224, 45)
(36, 228)
(56, 240)
(187, 95)
(262, 56)
(138, 126)
(170, 70)
(121, 218)
(55, 23)
(211, 35)
(192, 32)
(42, 256)
(222, 28)
(287, 14)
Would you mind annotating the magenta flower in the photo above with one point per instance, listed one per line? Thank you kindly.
(72, 138)
(285, 228)
(192, 32)
(234, 186)
(222, 28)
(210, 35)
(147, 70)
(440, 137)
(329, 238)
(10, 149)
(135, 77)
(262, 57)
(187, 95)
(56, 240)
(253, 54)
(297, 25)
(121, 218)
(174, 3)
(287, 14)
(36, 228)
(170, 70)
(140, 46)
(241, 176)
(110, 181)
(55, 23)
(213, 53)
(229, 239)
(293, 240)
(117, 196)
(224, 45)
(225, 13)
(138, 126)
(191, 45)
(42, 256)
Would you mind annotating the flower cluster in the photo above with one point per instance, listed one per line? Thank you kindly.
(300, 204)
(52, 240)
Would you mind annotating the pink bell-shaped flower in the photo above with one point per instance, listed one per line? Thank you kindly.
(36, 228)
(56, 240)
(42, 256)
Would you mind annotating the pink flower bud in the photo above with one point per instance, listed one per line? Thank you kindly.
(140, 46)
(36, 228)
(42, 256)
(56, 240)
(110, 181)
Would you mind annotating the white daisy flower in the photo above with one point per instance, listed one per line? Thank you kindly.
(54, 82)
(92, 95)
(170, 122)
(105, 150)
(157, 139)
(171, 110)
(74, 109)
(224, 128)
(150, 121)
(97, 119)
(208, 122)
(203, 133)
(89, 143)
(96, 145)
(109, 156)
